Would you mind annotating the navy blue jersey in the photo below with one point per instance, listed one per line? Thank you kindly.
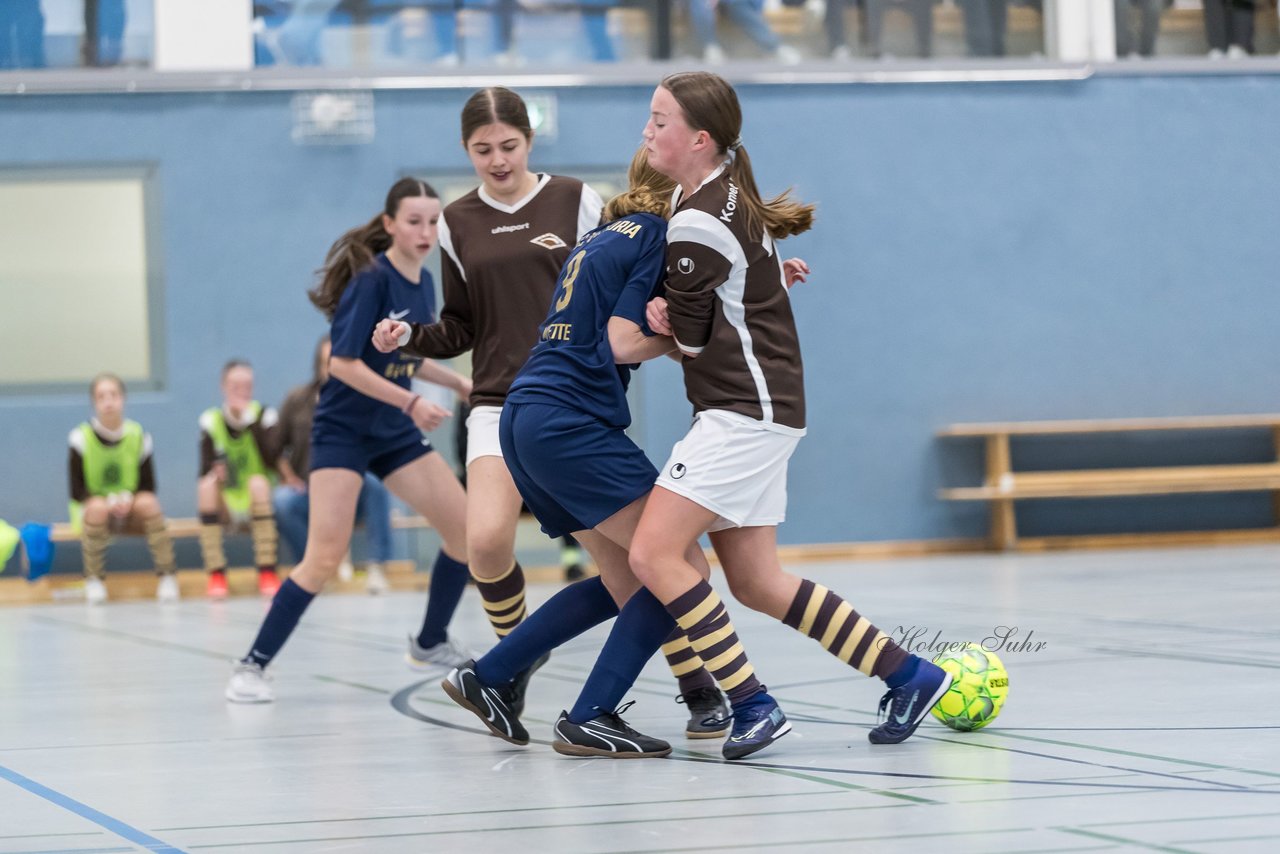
(613, 272)
(376, 292)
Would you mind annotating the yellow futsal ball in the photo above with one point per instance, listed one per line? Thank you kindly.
(979, 685)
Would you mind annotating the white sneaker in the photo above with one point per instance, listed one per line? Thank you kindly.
(167, 589)
(249, 684)
(448, 60)
(95, 592)
(787, 55)
(346, 571)
(841, 53)
(713, 54)
(448, 653)
(1237, 52)
(1214, 53)
(375, 580)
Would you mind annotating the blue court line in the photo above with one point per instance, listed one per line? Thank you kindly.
(119, 828)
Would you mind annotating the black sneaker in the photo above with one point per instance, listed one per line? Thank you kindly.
(520, 685)
(488, 704)
(709, 715)
(575, 572)
(903, 708)
(755, 728)
(606, 735)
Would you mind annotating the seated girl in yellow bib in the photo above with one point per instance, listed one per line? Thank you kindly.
(239, 446)
(113, 489)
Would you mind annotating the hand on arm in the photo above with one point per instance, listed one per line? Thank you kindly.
(656, 315)
(630, 345)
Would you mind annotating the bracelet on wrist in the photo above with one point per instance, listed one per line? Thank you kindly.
(407, 409)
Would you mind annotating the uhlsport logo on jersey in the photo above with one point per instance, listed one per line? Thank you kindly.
(678, 470)
(685, 265)
(549, 241)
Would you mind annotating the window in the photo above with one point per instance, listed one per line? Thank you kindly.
(79, 287)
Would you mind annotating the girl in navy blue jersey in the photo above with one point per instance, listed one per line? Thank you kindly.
(368, 419)
(563, 438)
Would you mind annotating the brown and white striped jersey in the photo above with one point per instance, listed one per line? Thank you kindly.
(728, 306)
(499, 265)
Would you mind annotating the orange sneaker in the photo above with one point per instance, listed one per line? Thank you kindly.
(217, 588)
(268, 582)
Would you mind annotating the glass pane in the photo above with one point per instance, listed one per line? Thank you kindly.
(73, 255)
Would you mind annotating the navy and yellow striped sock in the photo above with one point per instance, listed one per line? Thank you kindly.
(702, 616)
(503, 599)
(843, 632)
(685, 664)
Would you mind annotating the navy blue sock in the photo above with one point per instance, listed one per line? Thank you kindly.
(448, 582)
(639, 632)
(903, 674)
(286, 609)
(576, 608)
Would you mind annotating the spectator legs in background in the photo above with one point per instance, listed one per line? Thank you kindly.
(110, 32)
(595, 23)
(1228, 27)
(21, 34)
(984, 26)
(299, 36)
(833, 24)
(374, 509)
(293, 508)
(921, 12)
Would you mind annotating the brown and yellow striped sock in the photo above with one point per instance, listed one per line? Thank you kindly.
(93, 549)
(215, 559)
(850, 637)
(685, 664)
(266, 541)
(160, 544)
(706, 623)
(503, 599)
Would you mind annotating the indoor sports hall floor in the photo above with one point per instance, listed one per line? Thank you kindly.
(1148, 721)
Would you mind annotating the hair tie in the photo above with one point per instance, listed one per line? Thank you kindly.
(736, 144)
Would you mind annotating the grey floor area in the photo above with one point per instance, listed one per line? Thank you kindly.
(1147, 720)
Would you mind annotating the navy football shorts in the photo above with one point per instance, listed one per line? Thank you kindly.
(573, 470)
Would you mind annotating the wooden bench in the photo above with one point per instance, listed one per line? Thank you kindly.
(189, 529)
(1003, 485)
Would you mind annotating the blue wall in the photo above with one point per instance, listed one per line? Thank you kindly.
(1087, 249)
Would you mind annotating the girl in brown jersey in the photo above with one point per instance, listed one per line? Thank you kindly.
(728, 308)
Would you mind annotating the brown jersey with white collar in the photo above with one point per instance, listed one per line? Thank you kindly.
(499, 266)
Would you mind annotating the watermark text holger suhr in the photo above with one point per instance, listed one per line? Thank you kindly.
(917, 639)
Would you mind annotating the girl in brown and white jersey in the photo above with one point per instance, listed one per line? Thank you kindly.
(728, 307)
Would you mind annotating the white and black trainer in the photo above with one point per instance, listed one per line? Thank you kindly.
(606, 735)
(488, 704)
